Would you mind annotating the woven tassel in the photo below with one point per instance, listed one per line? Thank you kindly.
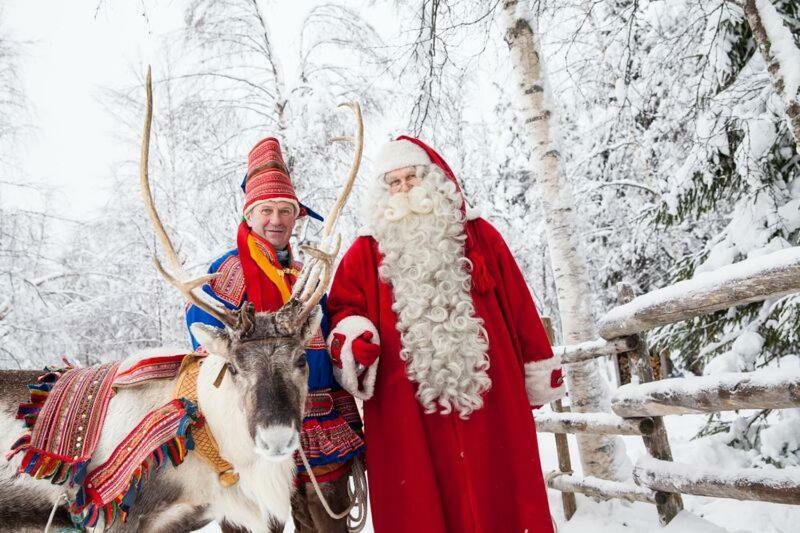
(88, 513)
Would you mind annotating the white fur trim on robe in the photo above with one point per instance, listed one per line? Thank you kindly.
(352, 327)
(538, 381)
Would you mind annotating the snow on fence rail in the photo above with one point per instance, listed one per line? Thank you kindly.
(777, 486)
(594, 423)
(576, 353)
(760, 278)
(763, 389)
(603, 488)
(639, 407)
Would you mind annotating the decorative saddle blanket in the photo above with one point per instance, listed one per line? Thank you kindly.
(65, 417)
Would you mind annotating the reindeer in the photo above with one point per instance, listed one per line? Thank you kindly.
(251, 391)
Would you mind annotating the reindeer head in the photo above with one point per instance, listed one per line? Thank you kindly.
(266, 363)
(264, 352)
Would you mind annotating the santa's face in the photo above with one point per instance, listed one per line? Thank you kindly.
(274, 222)
(402, 179)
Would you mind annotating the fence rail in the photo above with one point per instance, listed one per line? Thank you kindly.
(777, 486)
(761, 389)
(638, 408)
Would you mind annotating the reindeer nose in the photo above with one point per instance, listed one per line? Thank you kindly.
(277, 442)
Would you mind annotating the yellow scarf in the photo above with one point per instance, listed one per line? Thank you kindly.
(275, 274)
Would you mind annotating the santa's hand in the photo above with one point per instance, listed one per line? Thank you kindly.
(544, 381)
(355, 349)
(364, 352)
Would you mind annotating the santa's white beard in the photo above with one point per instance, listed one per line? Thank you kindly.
(421, 236)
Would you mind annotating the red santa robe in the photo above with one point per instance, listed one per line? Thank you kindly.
(440, 473)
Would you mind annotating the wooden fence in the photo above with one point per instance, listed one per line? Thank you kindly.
(637, 408)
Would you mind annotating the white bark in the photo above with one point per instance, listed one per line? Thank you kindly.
(595, 423)
(601, 456)
(602, 488)
(782, 57)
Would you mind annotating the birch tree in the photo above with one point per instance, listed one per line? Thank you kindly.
(782, 56)
(601, 456)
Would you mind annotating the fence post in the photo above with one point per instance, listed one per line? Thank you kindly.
(657, 442)
(562, 446)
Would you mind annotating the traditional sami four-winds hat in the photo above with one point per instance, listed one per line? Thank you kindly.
(267, 177)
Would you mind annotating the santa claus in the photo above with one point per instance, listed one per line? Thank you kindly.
(435, 329)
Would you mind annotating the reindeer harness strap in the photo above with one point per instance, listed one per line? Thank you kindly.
(205, 444)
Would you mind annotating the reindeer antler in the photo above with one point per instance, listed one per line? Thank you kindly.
(316, 274)
(333, 216)
(186, 288)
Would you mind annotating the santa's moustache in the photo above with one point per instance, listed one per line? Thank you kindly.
(402, 204)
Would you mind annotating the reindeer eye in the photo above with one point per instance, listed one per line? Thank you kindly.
(232, 369)
(301, 361)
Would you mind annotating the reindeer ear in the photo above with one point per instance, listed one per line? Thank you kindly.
(215, 340)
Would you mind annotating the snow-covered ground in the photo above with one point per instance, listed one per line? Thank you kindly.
(701, 515)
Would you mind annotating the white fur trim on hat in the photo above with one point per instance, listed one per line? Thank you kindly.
(399, 154)
(353, 327)
(267, 200)
(538, 378)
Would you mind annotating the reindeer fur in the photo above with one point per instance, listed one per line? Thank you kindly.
(189, 496)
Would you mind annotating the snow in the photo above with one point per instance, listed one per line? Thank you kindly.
(778, 378)
(782, 436)
(707, 282)
(678, 473)
(741, 357)
(701, 514)
(782, 47)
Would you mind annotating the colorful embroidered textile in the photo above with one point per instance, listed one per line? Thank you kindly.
(229, 282)
(67, 427)
(327, 436)
(161, 367)
(111, 489)
(275, 275)
(65, 417)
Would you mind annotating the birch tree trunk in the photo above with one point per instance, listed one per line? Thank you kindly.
(776, 45)
(601, 456)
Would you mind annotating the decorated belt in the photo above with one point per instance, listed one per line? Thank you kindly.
(205, 444)
(318, 404)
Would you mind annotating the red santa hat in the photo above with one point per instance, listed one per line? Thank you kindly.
(267, 178)
(400, 153)
(408, 151)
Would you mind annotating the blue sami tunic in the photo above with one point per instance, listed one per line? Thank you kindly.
(332, 429)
